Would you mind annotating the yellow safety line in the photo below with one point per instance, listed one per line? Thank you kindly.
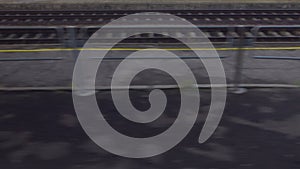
(133, 49)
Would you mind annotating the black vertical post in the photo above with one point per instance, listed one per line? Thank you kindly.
(239, 61)
(72, 43)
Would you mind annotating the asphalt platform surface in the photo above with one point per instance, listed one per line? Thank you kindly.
(259, 129)
(58, 73)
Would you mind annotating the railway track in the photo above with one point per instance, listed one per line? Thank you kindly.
(217, 34)
(202, 17)
(30, 27)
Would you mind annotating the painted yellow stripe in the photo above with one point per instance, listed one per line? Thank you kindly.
(133, 49)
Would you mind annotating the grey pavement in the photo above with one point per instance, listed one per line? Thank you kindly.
(49, 73)
(259, 129)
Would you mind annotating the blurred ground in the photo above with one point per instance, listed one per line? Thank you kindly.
(59, 72)
(259, 129)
